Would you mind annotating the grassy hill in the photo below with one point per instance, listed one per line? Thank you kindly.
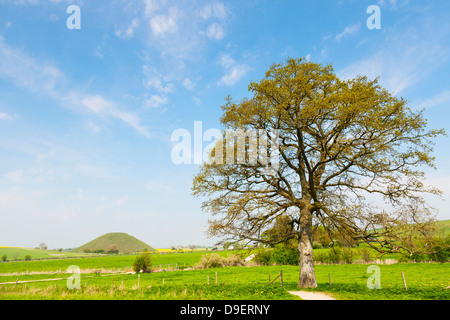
(122, 241)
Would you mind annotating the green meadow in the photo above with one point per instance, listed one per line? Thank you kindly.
(47, 279)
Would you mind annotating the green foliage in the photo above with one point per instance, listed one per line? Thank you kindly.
(441, 250)
(263, 257)
(143, 262)
(285, 255)
(335, 255)
(347, 255)
(4, 257)
(27, 257)
(216, 261)
(366, 254)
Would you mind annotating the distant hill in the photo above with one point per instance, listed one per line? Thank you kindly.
(122, 241)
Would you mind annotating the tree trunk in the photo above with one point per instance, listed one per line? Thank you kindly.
(307, 271)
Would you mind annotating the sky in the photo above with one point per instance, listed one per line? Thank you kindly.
(90, 96)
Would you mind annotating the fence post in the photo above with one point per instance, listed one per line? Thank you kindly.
(404, 281)
(329, 279)
(139, 280)
(216, 277)
(281, 275)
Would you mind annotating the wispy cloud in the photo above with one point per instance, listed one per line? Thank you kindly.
(348, 31)
(234, 71)
(128, 33)
(25, 71)
(5, 116)
(155, 101)
(162, 24)
(99, 105)
(405, 59)
(440, 99)
(43, 78)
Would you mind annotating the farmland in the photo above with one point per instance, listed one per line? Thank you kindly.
(348, 281)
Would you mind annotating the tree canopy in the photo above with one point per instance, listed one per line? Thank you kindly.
(338, 144)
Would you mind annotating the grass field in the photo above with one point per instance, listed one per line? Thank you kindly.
(16, 253)
(424, 280)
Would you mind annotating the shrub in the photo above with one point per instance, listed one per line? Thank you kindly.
(321, 256)
(441, 250)
(210, 261)
(285, 255)
(263, 258)
(441, 254)
(143, 262)
(214, 260)
(4, 257)
(27, 257)
(233, 261)
(419, 257)
(404, 259)
(366, 254)
(317, 245)
(335, 255)
(347, 255)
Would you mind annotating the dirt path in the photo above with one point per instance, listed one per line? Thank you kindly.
(306, 295)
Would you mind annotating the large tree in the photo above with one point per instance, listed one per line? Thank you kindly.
(337, 141)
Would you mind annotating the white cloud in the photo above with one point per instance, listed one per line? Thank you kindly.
(393, 4)
(121, 201)
(215, 31)
(25, 71)
(155, 101)
(214, 10)
(150, 7)
(234, 71)
(153, 79)
(129, 32)
(440, 99)
(162, 24)
(14, 177)
(188, 84)
(159, 187)
(98, 105)
(405, 59)
(42, 78)
(348, 31)
(4, 116)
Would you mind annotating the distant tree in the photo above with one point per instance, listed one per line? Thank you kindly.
(4, 257)
(43, 246)
(113, 249)
(27, 257)
(143, 262)
(226, 245)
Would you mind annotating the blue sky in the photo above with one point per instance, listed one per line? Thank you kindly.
(86, 115)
